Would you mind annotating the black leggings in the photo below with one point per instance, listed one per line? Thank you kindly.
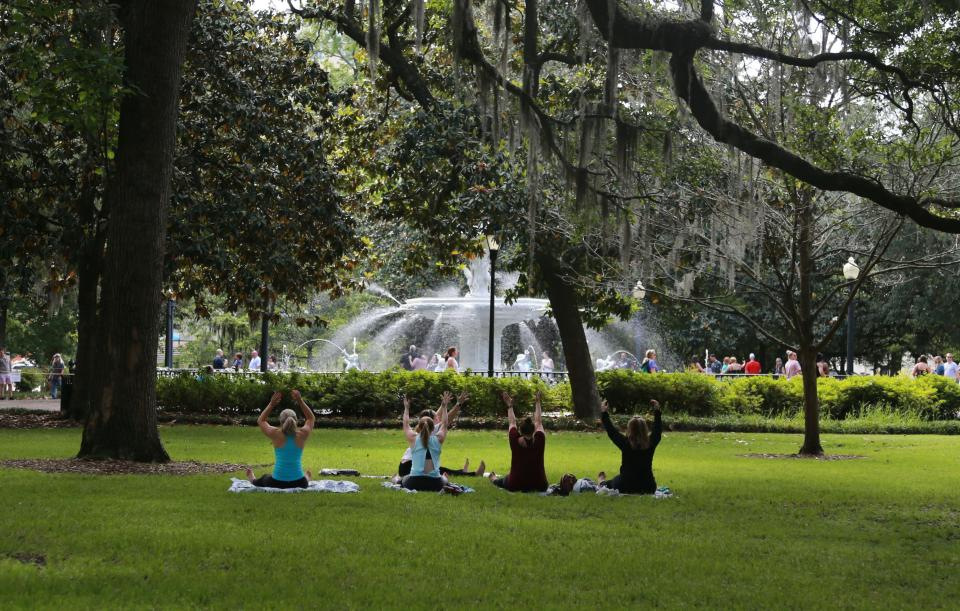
(422, 482)
(267, 481)
(617, 484)
(405, 467)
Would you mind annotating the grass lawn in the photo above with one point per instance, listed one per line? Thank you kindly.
(879, 532)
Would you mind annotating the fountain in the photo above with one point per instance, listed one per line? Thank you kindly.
(617, 360)
(447, 318)
(436, 322)
(350, 361)
(470, 314)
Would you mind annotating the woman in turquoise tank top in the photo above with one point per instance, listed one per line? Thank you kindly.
(288, 443)
(426, 444)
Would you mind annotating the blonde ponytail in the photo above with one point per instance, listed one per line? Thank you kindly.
(424, 428)
(288, 422)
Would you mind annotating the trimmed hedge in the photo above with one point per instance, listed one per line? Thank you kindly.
(355, 394)
(367, 395)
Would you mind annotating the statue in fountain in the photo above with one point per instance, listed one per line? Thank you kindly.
(351, 361)
(604, 364)
(523, 362)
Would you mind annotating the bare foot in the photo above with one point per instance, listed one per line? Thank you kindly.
(395, 479)
(601, 477)
(250, 476)
(492, 476)
(309, 475)
(482, 468)
(466, 465)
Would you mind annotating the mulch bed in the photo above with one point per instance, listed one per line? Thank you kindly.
(121, 467)
(805, 456)
(35, 421)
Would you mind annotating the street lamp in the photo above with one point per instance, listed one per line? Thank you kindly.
(639, 292)
(494, 247)
(168, 353)
(851, 271)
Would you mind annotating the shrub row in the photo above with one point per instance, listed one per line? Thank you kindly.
(367, 395)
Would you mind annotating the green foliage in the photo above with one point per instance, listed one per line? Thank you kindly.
(364, 394)
(33, 329)
(628, 392)
(256, 215)
(355, 394)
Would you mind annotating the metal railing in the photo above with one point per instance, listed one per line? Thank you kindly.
(556, 376)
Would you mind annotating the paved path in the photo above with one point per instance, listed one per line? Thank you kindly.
(48, 405)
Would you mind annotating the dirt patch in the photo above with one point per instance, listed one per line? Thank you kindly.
(28, 558)
(122, 467)
(804, 456)
(35, 421)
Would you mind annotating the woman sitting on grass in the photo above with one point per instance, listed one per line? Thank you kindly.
(637, 448)
(527, 444)
(288, 443)
(425, 446)
(406, 461)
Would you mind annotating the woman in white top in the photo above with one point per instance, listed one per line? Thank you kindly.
(546, 363)
(451, 358)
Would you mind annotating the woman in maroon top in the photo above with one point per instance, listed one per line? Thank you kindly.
(527, 443)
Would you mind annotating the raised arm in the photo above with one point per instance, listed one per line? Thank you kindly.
(265, 426)
(538, 412)
(309, 417)
(615, 435)
(441, 426)
(511, 417)
(455, 410)
(408, 432)
(657, 434)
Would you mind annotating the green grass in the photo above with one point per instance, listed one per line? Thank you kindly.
(882, 532)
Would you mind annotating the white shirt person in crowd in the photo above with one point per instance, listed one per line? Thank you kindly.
(254, 364)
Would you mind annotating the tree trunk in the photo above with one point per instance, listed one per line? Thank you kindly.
(808, 352)
(122, 422)
(811, 403)
(576, 352)
(91, 259)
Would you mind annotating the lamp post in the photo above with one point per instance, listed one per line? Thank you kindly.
(639, 292)
(851, 272)
(265, 335)
(494, 247)
(168, 352)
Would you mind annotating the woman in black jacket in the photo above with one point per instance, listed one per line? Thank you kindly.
(637, 448)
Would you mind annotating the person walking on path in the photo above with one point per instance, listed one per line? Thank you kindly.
(254, 364)
(752, 366)
(56, 375)
(451, 359)
(527, 444)
(649, 364)
(219, 362)
(6, 375)
(921, 368)
(288, 442)
(792, 367)
(636, 448)
(950, 367)
(778, 367)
